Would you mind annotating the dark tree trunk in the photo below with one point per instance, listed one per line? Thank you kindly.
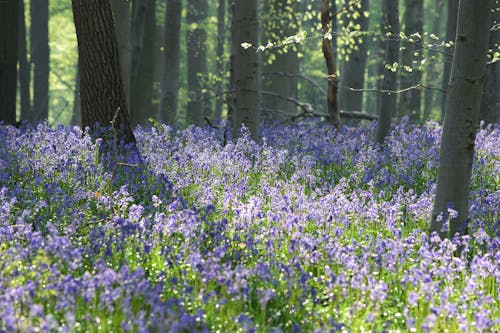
(353, 72)
(196, 60)
(410, 75)
(451, 28)
(170, 81)
(101, 88)
(220, 59)
(232, 56)
(24, 66)
(388, 101)
(141, 101)
(331, 69)
(8, 60)
(463, 101)
(39, 42)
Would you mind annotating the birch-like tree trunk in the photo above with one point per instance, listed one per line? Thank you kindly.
(353, 71)
(388, 100)
(8, 60)
(461, 118)
(39, 42)
(101, 88)
(122, 19)
(410, 75)
(170, 81)
(246, 68)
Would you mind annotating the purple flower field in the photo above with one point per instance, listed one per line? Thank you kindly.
(309, 231)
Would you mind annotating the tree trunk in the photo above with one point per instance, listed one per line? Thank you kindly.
(490, 102)
(220, 58)
(331, 69)
(234, 49)
(451, 28)
(196, 60)
(410, 75)
(101, 88)
(139, 10)
(353, 72)
(388, 101)
(170, 81)
(8, 60)
(282, 22)
(24, 66)
(122, 19)
(461, 118)
(246, 68)
(141, 99)
(39, 10)
(433, 73)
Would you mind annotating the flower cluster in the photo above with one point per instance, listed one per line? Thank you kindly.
(310, 230)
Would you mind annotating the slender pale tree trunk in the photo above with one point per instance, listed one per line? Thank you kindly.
(170, 81)
(353, 72)
(246, 68)
(197, 11)
(388, 101)
(220, 58)
(142, 90)
(39, 10)
(331, 68)
(409, 76)
(461, 118)
(451, 28)
(24, 66)
(433, 73)
(122, 19)
(8, 60)
(101, 88)
(282, 22)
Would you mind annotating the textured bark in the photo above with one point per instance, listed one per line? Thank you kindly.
(246, 68)
(122, 19)
(388, 101)
(433, 73)
(197, 107)
(461, 118)
(220, 59)
(170, 81)
(451, 28)
(39, 36)
(353, 71)
(8, 60)
(410, 101)
(282, 21)
(331, 69)
(101, 88)
(24, 66)
(142, 91)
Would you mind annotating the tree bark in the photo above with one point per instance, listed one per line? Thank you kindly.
(410, 75)
(8, 60)
(170, 81)
(220, 58)
(24, 66)
(353, 72)
(461, 118)
(451, 28)
(282, 21)
(39, 35)
(101, 88)
(388, 101)
(197, 107)
(122, 19)
(331, 69)
(141, 99)
(246, 68)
